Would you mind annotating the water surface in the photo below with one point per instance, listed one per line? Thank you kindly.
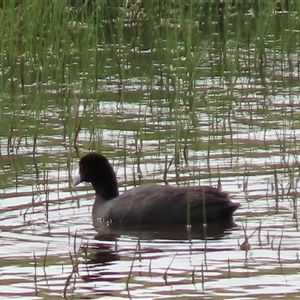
(234, 137)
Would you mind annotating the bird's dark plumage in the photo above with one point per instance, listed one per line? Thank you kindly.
(151, 204)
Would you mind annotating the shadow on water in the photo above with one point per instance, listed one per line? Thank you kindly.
(103, 250)
(213, 230)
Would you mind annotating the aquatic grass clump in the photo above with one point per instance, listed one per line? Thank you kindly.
(184, 91)
(70, 52)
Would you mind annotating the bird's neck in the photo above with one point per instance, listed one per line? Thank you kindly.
(106, 191)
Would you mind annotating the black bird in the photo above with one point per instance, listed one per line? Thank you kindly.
(151, 204)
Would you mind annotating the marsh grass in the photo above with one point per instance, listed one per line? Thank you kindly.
(136, 252)
(73, 49)
(173, 85)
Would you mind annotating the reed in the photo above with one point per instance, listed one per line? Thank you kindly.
(165, 275)
(69, 45)
(170, 82)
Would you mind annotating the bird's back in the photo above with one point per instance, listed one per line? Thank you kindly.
(167, 204)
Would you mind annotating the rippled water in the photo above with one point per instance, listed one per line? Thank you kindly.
(248, 143)
(49, 247)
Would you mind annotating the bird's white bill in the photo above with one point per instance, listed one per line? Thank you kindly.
(77, 180)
